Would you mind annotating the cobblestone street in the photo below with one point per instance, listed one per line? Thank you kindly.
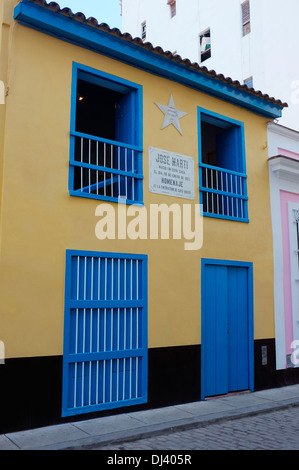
(278, 430)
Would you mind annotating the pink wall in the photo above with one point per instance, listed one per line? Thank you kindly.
(287, 153)
(285, 198)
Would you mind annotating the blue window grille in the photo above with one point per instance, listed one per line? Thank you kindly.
(222, 167)
(105, 332)
(106, 137)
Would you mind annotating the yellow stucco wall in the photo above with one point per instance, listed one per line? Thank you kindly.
(40, 220)
(6, 29)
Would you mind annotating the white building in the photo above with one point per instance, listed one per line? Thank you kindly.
(283, 148)
(250, 41)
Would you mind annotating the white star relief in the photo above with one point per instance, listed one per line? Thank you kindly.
(172, 115)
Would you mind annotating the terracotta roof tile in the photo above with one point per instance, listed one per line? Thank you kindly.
(158, 50)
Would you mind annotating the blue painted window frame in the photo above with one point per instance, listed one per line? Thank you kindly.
(69, 357)
(239, 175)
(132, 145)
(249, 266)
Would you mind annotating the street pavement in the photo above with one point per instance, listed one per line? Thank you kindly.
(265, 419)
(275, 430)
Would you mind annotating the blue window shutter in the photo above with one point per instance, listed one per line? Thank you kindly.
(105, 332)
(124, 115)
(227, 147)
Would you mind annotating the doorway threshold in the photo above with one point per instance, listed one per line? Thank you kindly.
(229, 394)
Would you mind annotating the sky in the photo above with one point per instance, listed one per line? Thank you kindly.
(105, 11)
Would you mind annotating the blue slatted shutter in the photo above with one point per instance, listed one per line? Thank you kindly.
(105, 332)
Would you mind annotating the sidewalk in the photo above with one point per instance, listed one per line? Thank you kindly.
(128, 426)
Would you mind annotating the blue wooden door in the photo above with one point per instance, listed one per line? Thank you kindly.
(105, 331)
(226, 328)
(238, 329)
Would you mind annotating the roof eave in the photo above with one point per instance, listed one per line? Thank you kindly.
(107, 43)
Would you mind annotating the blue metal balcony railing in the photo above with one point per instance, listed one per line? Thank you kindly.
(223, 193)
(105, 169)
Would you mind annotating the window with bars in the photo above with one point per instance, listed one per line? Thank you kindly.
(106, 126)
(223, 179)
(105, 332)
(205, 45)
(245, 7)
(143, 30)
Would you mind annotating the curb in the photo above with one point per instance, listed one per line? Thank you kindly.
(155, 430)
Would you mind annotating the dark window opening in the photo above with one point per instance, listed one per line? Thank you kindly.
(96, 108)
(105, 160)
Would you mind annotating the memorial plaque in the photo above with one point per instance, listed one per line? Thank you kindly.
(171, 174)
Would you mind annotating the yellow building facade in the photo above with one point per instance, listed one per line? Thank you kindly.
(98, 312)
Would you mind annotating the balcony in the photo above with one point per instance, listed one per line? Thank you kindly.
(223, 193)
(105, 169)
